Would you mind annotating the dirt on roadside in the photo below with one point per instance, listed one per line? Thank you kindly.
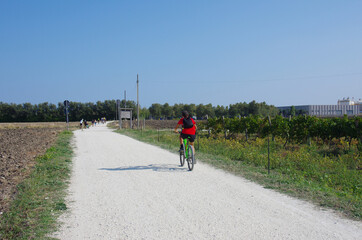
(18, 149)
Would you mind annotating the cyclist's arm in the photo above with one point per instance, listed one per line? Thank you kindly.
(176, 128)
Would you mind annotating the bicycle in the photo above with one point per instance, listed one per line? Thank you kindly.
(188, 154)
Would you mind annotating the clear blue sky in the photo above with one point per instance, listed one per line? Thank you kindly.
(218, 52)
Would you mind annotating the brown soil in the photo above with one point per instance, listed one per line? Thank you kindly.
(18, 149)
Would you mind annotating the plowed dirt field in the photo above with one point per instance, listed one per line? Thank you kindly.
(19, 148)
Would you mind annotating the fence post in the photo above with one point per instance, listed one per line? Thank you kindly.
(269, 146)
(158, 134)
(270, 124)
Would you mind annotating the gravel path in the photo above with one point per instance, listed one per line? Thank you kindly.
(125, 189)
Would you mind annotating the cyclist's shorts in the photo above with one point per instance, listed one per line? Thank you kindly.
(190, 137)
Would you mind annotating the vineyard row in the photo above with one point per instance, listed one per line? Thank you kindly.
(294, 129)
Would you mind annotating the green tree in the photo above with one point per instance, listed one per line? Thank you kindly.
(177, 109)
(238, 109)
(191, 109)
(155, 110)
(221, 111)
(167, 111)
(292, 111)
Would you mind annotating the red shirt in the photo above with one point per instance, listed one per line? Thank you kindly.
(190, 131)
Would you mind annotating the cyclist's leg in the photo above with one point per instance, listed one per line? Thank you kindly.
(182, 137)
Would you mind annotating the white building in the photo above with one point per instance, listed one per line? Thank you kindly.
(349, 107)
(348, 101)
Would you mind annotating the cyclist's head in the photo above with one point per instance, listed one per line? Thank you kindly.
(185, 114)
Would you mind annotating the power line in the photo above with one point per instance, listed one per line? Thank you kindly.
(264, 80)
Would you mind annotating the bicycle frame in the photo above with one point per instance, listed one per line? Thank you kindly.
(186, 145)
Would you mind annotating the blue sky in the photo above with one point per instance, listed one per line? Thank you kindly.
(218, 52)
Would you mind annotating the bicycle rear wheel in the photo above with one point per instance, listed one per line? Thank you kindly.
(191, 158)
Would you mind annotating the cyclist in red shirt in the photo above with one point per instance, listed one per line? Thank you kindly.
(188, 129)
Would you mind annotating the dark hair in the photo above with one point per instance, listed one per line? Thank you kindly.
(185, 113)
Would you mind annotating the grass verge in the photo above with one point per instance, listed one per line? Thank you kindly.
(303, 172)
(41, 197)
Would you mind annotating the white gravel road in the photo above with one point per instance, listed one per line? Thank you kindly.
(125, 189)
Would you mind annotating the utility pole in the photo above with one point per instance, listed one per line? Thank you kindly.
(125, 100)
(119, 113)
(116, 111)
(66, 106)
(138, 106)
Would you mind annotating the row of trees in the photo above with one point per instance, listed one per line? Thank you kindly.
(202, 111)
(294, 129)
(48, 112)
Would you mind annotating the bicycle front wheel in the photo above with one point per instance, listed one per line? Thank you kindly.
(191, 158)
(182, 159)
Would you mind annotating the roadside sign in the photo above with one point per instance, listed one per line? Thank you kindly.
(126, 114)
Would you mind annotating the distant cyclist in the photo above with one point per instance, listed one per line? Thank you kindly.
(188, 129)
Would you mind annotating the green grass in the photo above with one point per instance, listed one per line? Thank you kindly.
(40, 198)
(300, 170)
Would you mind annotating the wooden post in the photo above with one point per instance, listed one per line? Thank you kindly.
(130, 121)
(270, 126)
(268, 156)
(246, 132)
(119, 119)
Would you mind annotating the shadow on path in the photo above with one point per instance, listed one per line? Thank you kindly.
(153, 167)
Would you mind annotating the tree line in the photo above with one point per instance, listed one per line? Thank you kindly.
(202, 111)
(48, 112)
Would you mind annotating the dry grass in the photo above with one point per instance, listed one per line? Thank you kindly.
(59, 125)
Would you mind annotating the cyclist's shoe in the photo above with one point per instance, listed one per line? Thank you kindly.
(181, 148)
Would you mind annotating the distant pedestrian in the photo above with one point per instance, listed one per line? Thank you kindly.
(81, 124)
